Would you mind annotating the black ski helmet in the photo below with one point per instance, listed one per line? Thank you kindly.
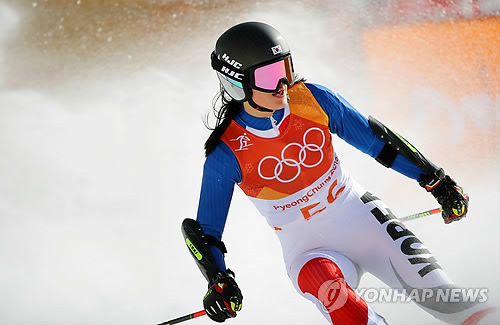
(243, 47)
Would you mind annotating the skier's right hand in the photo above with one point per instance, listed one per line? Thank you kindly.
(452, 198)
(223, 298)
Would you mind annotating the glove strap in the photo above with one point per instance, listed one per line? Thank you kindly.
(430, 182)
(227, 277)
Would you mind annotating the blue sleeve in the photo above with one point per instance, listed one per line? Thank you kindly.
(353, 127)
(220, 172)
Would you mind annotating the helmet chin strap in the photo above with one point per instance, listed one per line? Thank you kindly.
(258, 107)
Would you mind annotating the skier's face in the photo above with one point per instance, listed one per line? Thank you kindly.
(274, 101)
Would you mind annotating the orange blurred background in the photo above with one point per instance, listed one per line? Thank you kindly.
(453, 63)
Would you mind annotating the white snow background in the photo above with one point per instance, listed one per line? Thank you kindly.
(101, 158)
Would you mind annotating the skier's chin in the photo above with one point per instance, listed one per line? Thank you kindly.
(274, 101)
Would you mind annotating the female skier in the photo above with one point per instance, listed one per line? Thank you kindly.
(273, 139)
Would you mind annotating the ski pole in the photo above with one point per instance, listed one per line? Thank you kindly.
(184, 318)
(420, 214)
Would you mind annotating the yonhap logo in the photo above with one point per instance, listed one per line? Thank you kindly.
(295, 162)
(333, 294)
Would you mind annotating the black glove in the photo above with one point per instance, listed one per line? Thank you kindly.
(223, 298)
(452, 198)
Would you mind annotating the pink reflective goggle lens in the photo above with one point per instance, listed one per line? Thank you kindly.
(269, 76)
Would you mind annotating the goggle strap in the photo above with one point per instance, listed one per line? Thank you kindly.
(220, 66)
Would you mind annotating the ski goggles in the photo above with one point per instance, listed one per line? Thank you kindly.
(264, 77)
(267, 77)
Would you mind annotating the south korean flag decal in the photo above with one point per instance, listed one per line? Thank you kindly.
(276, 49)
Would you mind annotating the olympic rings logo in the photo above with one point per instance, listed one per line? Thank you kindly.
(304, 149)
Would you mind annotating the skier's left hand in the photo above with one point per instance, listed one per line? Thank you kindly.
(452, 198)
(223, 298)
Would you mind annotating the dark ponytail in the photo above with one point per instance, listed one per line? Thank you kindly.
(224, 115)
